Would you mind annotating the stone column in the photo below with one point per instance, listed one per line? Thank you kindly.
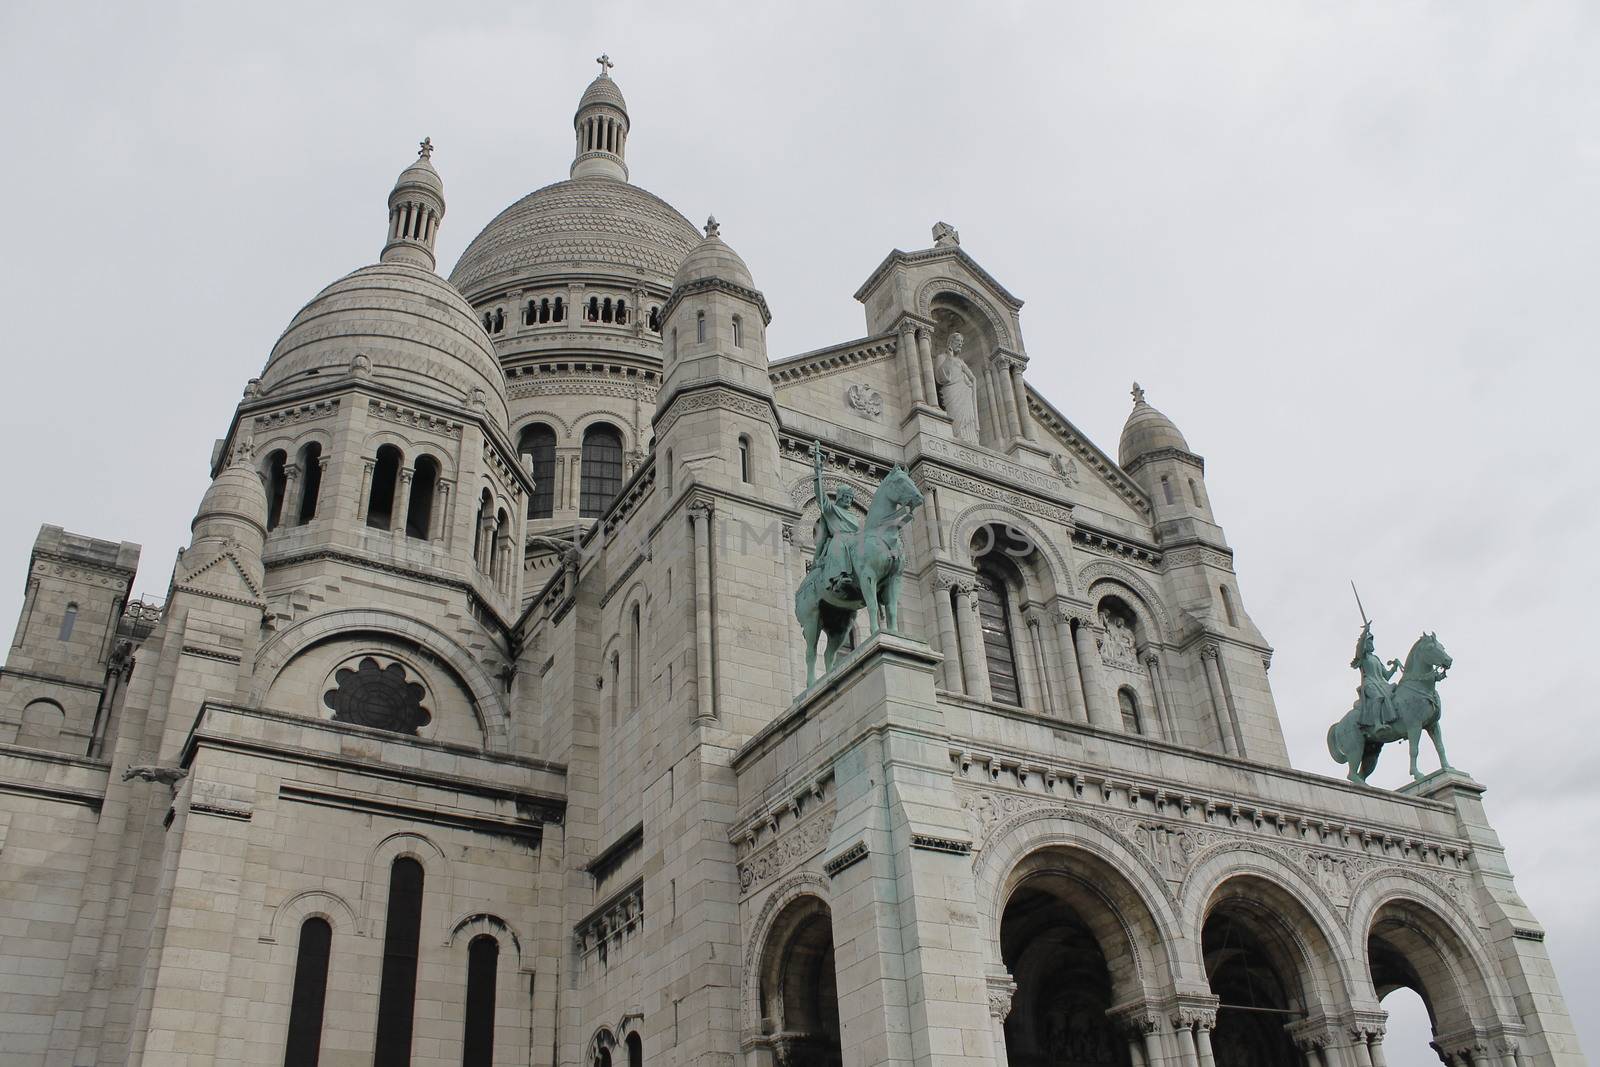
(1021, 391)
(1208, 656)
(1034, 620)
(1029, 692)
(930, 385)
(1376, 1050)
(289, 514)
(700, 512)
(1071, 676)
(1001, 989)
(949, 644)
(485, 553)
(1162, 719)
(365, 496)
(402, 500)
(975, 666)
(1094, 690)
(439, 521)
(1186, 1047)
(1202, 1038)
(1358, 1047)
(911, 363)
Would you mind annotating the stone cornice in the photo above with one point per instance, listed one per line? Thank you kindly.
(824, 361)
(707, 285)
(1098, 461)
(1178, 454)
(898, 258)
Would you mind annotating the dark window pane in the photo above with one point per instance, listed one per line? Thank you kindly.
(602, 470)
(994, 610)
(539, 442)
(397, 989)
(310, 994)
(483, 957)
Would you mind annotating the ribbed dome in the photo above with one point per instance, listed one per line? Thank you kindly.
(236, 496)
(603, 91)
(712, 258)
(1146, 431)
(416, 331)
(595, 224)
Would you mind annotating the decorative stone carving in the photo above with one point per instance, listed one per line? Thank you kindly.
(1066, 468)
(1117, 646)
(958, 391)
(377, 696)
(799, 843)
(865, 400)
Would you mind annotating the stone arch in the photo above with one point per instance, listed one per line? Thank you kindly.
(300, 637)
(292, 439)
(561, 426)
(1243, 871)
(438, 879)
(407, 445)
(309, 903)
(1140, 594)
(1413, 919)
(1054, 565)
(614, 418)
(783, 894)
(1148, 923)
(603, 1040)
(930, 290)
(470, 926)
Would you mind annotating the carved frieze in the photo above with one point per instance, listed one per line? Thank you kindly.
(405, 416)
(788, 849)
(927, 475)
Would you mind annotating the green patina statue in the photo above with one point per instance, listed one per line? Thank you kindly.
(1385, 712)
(854, 565)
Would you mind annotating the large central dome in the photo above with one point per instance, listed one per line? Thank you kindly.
(585, 224)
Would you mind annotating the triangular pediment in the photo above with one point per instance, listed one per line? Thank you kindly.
(1083, 466)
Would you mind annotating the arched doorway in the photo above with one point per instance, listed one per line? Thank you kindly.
(1414, 955)
(1078, 939)
(799, 988)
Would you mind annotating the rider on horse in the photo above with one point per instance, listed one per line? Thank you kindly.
(1374, 696)
(833, 513)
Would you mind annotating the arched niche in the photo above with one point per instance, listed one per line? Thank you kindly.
(797, 986)
(953, 312)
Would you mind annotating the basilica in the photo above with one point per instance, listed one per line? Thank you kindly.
(482, 724)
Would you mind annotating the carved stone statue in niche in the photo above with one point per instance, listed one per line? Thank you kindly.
(1118, 646)
(958, 391)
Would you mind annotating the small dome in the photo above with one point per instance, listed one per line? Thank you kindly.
(711, 258)
(235, 496)
(602, 91)
(1146, 431)
(421, 173)
(413, 331)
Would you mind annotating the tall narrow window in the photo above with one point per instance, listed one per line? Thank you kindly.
(69, 619)
(304, 1045)
(605, 310)
(499, 319)
(635, 654)
(380, 500)
(738, 332)
(502, 533)
(594, 309)
(539, 444)
(602, 470)
(419, 512)
(310, 481)
(277, 482)
(622, 312)
(559, 312)
(635, 1050)
(1194, 492)
(1227, 605)
(544, 309)
(700, 326)
(397, 988)
(477, 1042)
(530, 313)
(994, 611)
(744, 458)
(1166, 490)
(482, 531)
(1129, 704)
(655, 319)
(666, 476)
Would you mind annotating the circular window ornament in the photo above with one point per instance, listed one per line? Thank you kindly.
(369, 692)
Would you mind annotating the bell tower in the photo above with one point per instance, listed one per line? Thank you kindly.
(601, 125)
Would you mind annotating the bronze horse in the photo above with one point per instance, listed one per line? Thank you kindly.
(1416, 705)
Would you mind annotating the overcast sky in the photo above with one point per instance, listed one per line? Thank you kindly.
(1350, 249)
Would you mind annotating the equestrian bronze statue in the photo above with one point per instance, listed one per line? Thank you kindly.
(854, 565)
(1386, 711)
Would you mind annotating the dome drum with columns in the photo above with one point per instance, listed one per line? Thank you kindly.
(475, 726)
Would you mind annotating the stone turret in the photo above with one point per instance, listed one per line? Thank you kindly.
(601, 124)
(416, 207)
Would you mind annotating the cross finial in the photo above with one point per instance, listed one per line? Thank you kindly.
(425, 149)
(713, 227)
(605, 64)
(1138, 393)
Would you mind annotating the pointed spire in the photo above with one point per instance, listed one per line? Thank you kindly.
(416, 207)
(601, 125)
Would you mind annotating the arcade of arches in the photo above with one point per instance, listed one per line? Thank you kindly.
(1092, 979)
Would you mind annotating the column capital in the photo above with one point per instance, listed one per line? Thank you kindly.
(1001, 989)
(1193, 1011)
(1311, 1034)
(1150, 658)
(1210, 650)
(1136, 1019)
(700, 505)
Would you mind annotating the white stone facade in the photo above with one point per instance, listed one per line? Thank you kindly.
(469, 731)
